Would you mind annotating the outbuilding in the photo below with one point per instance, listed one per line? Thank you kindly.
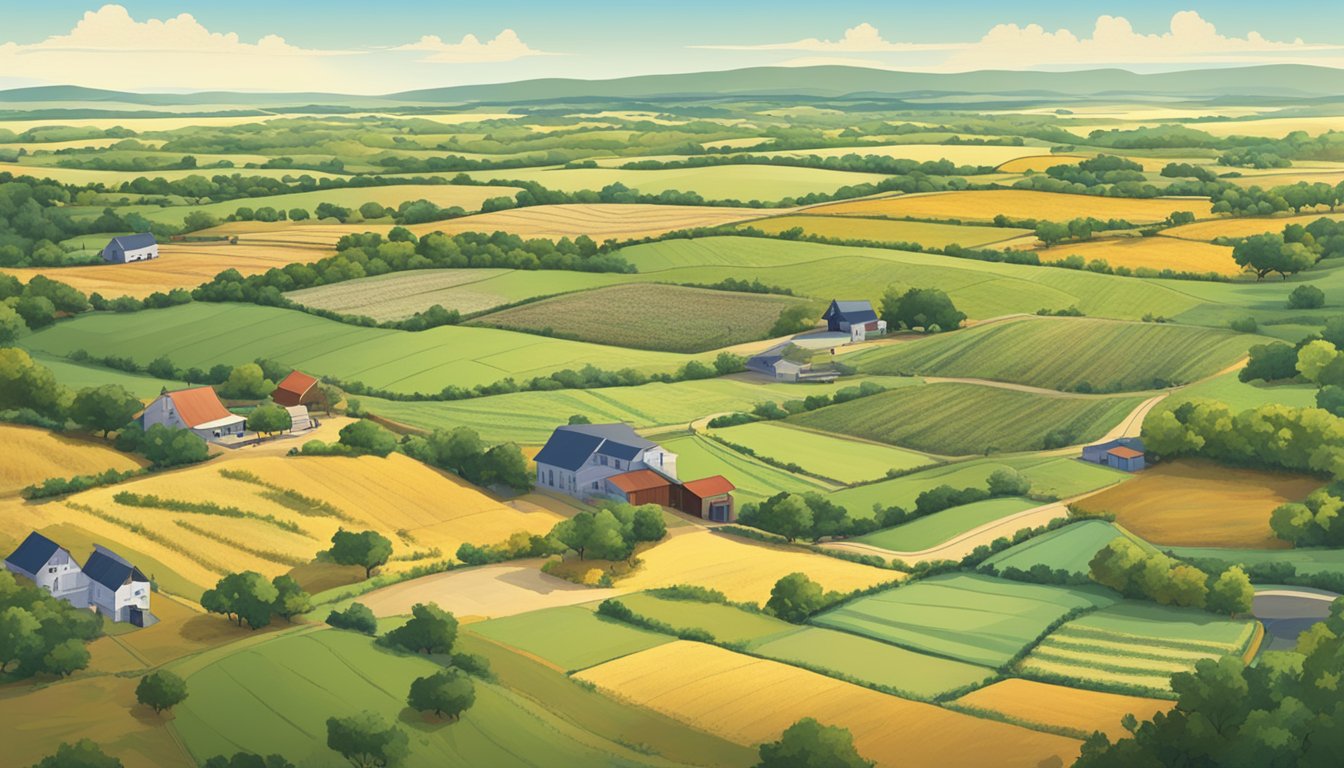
(710, 498)
(128, 248)
(1125, 453)
(298, 388)
(857, 318)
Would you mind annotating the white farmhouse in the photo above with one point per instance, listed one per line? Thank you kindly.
(579, 457)
(50, 566)
(128, 248)
(117, 589)
(197, 409)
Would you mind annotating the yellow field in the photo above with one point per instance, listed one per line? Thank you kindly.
(1208, 230)
(1152, 252)
(116, 178)
(1280, 176)
(749, 701)
(1274, 127)
(742, 569)
(960, 154)
(1056, 705)
(984, 205)
(1038, 163)
(33, 455)
(598, 221)
(890, 231)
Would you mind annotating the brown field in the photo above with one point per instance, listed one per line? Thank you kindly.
(1061, 707)
(1151, 252)
(984, 205)
(1196, 503)
(33, 455)
(750, 700)
(1208, 230)
(1038, 163)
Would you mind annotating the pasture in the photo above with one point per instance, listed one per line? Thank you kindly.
(34, 454)
(960, 154)
(984, 205)
(738, 697)
(931, 530)
(845, 460)
(769, 183)
(666, 318)
(1057, 706)
(1103, 355)
(698, 456)
(1009, 420)
(570, 637)
(927, 234)
(726, 623)
(1240, 395)
(1193, 502)
(598, 221)
(77, 376)
(1037, 163)
(1070, 548)
(971, 618)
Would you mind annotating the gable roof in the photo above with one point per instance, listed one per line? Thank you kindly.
(134, 242)
(33, 553)
(1125, 453)
(1133, 443)
(567, 450)
(297, 383)
(571, 445)
(109, 569)
(853, 311)
(199, 406)
(639, 480)
(705, 487)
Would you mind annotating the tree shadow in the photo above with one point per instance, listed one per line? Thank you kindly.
(425, 722)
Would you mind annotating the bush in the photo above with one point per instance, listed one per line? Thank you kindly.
(357, 618)
(1306, 297)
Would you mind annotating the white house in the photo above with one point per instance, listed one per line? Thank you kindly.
(857, 318)
(117, 589)
(578, 458)
(197, 409)
(128, 248)
(50, 567)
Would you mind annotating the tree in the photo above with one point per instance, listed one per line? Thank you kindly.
(247, 382)
(66, 657)
(367, 549)
(1008, 482)
(11, 325)
(19, 636)
(36, 311)
(290, 600)
(1331, 398)
(244, 597)
(430, 630)
(1231, 593)
(795, 597)
(247, 760)
(792, 319)
(789, 517)
(82, 754)
(367, 436)
(357, 618)
(448, 693)
(579, 418)
(104, 408)
(1271, 362)
(1306, 297)
(926, 308)
(24, 383)
(1267, 253)
(809, 744)
(298, 214)
(1314, 357)
(269, 419)
(161, 690)
(367, 741)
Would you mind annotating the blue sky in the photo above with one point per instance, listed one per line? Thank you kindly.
(369, 47)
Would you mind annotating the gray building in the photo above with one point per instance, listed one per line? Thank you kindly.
(50, 566)
(578, 458)
(128, 248)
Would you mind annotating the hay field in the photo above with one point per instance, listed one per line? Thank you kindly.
(666, 318)
(443, 195)
(726, 623)
(1038, 163)
(743, 569)
(750, 701)
(932, 530)
(114, 179)
(720, 182)
(926, 234)
(848, 461)
(984, 205)
(1103, 355)
(1243, 227)
(958, 154)
(698, 456)
(1151, 252)
(33, 455)
(1070, 548)
(1195, 503)
(598, 221)
(570, 637)
(1061, 707)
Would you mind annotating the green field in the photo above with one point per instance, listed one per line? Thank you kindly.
(202, 335)
(1137, 646)
(976, 619)
(79, 375)
(699, 456)
(1103, 355)
(274, 697)
(443, 195)
(767, 183)
(931, 530)
(1070, 548)
(725, 622)
(927, 234)
(848, 461)
(571, 637)
(1241, 396)
(922, 418)
(1306, 561)
(667, 318)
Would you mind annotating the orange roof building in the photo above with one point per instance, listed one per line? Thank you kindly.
(297, 388)
(197, 409)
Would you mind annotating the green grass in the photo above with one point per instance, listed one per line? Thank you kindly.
(1241, 396)
(1070, 548)
(738, 182)
(874, 662)
(443, 195)
(202, 335)
(725, 622)
(571, 637)
(939, 527)
(848, 461)
(79, 375)
(658, 317)
(927, 234)
(1093, 355)
(971, 618)
(961, 419)
(274, 697)
(1307, 561)
(699, 456)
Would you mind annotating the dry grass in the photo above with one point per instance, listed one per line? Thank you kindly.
(1208, 230)
(749, 701)
(984, 205)
(1038, 163)
(1201, 504)
(598, 221)
(1151, 252)
(33, 455)
(743, 569)
(886, 230)
(1061, 707)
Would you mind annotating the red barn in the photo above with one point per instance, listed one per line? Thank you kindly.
(298, 389)
(710, 498)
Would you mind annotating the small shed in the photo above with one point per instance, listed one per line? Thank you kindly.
(643, 486)
(299, 420)
(1125, 453)
(297, 388)
(710, 498)
(128, 248)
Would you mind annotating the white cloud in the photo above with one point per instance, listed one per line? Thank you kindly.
(506, 46)
(863, 38)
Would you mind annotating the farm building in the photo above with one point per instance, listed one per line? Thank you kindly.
(1125, 453)
(857, 318)
(51, 567)
(710, 498)
(298, 388)
(197, 409)
(579, 457)
(107, 583)
(299, 420)
(772, 363)
(128, 248)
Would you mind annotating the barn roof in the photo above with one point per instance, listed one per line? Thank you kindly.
(134, 242)
(109, 569)
(199, 406)
(1125, 453)
(705, 487)
(1133, 443)
(853, 311)
(297, 383)
(33, 553)
(639, 480)
(568, 450)
(571, 445)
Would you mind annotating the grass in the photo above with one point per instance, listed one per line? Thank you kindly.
(1057, 706)
(728, 182)
(1190, 502)
(1007, 420)
(1306, 561)
(698, 456)
(971, 618)
(599, 221)
(1096, 355)
(1070, 548)
(725, 622)
(77, 376)
(443, 195)
(848, 461)
(984, 205)
(1037, 163)
(570, 637)
(1241, 396)
(929, 235)
(667, 318)
(33, 455)
(1151, 252)
(749, 701)
(939, 527)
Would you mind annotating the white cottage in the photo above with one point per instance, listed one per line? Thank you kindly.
(117, 589)
(197, 409)
(50, 566)
(128, 248)
(578, 458)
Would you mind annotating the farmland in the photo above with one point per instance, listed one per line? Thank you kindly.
(35, 455)
(1155, 253)
(745, 183)
(929, 235)
(698, 456)
(848, 461)
(984, 205)
(1209, 230)
(1116, 357)
(597, 221)
(726, 623)
(570, 637)
(939, 527)
(1070, 548)
(914, 417)
(1060, 707)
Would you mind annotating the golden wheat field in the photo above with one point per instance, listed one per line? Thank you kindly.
(33, 455)
(960, 154)
(598, 221)
(1058, 706)
(984, 205)
(1208, 230)
(743, 569)
(750, 700)
(1037, 163)
(1152, 252)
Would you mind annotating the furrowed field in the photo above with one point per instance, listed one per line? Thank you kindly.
(848, 461)
(929, 235)
(939, 527)
(1152, 253)
(1104, 356)
(1060, 707)
(1008, 420)
(1070, 548)
(984, 205)
(598, 221)
(698, 456)
(736, 182)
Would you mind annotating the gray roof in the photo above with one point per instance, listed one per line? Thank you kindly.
(853, 311)
(570, 446)
(109, 569)
(1128, 442)
(33, 553)
(134, 242)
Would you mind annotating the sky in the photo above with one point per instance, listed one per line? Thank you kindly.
(370, 48)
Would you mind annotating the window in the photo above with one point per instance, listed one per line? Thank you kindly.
(594, 485)
(51, 569)
(602, 460)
